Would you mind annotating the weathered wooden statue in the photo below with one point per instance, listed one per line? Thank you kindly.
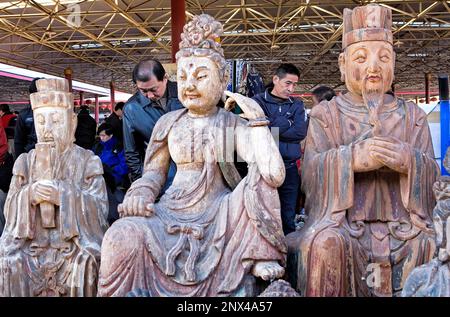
(56, 207)
(367, 173)
(210, 233)
(433, 278)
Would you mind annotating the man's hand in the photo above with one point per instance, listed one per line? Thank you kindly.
(136, 206)
(362, 161)
(45, 191)
(392, 153)
(250, 107)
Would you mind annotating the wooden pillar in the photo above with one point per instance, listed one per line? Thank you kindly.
(178, 19)
(68, 76)
(97, 110)
(81, 98)
(112, 92)
(427, 88)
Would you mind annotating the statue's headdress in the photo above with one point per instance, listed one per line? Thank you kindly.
(52, 92)
(367, 23)
(201, 37)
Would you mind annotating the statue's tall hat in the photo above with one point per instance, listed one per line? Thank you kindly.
(367, 23)
(52, 92)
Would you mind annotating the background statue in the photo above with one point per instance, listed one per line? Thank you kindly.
(210, 232)
(367, 174)
(56, 207)
(433, 278)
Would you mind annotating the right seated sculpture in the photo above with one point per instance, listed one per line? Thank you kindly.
(210, 233)
(367, 173)
(433, 279)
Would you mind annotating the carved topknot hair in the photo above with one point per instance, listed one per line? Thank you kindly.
(200, 37)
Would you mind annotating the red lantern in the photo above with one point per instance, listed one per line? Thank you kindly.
(433, 99)
(88, 101)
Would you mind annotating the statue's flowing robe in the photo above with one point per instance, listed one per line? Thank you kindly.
(61, 261)
(200, 241)
(379, 218)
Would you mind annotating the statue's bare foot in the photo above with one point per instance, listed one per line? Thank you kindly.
(268, 270)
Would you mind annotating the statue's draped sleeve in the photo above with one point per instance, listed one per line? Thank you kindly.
(327, 174)
(416, 187)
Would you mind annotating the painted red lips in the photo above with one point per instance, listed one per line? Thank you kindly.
(373, 78)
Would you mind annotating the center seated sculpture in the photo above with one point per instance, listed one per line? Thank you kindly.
(210, 232)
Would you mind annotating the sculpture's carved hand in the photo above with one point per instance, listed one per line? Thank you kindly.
(392, 153)
(250, 107)
(135, 206)
(268, 270)
(45, 191)
(362, 161)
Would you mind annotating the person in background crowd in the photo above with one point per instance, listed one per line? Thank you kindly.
(288, 115)
(6, 166)
(155, 96)
(6, 115)
(8, 121)
(24, 132)
(86, 127)
(322, 93)
(115, 169)
(115, 120)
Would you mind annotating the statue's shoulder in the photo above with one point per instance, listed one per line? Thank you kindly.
(93, 162)
(172, 115)
(414, 111)
(165, 123)
(324, 110)
(21, 164)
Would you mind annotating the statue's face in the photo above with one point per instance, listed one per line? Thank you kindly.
(55, 125)
(200, 85)
(368, 66)
(442, 236)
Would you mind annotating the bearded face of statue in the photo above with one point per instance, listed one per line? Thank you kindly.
(368, 67)
(200, 85)
(55, 125)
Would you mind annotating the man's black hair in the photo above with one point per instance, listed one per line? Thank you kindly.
(285, 69)
(105, 127)
(84, 109)
(323, 93)
(5, 108)
(145, 70)
(32, 88)
(119, 106)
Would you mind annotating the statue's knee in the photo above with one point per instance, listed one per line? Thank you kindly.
(329, 242)
(122, 237)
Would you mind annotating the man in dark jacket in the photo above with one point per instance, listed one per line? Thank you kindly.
(24, 133)
(86, 129)
(115, 120)
(155, 97)
(288, 115)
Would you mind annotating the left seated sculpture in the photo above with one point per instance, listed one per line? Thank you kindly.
(56, 207)
(209, 234)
